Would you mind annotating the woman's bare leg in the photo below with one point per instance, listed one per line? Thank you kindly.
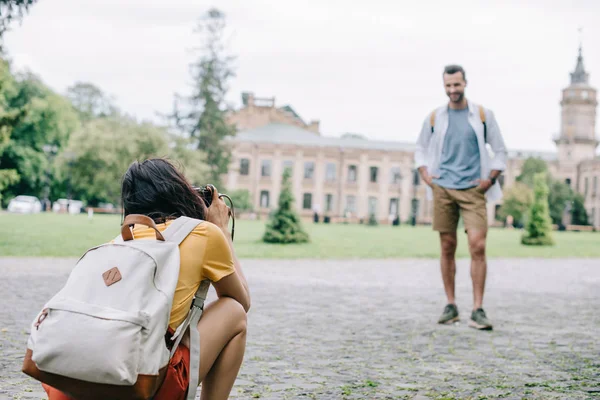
(222, 345)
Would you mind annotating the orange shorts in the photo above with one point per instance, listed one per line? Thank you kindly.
(174, 387)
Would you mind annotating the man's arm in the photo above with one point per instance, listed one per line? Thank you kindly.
(421, 151)
(496, 142)
(498, 163)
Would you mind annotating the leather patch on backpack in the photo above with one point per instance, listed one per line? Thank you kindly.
(112, 276)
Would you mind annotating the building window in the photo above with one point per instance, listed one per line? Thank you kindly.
(330, 172)
(244, 166)
(594, 186)
(264, 199)
(394, 210)
(352, 173)
(568, 181)
(373, 174)
(309, 170)
(265, 168)
(372, 205)
(585, 187)
(328, 202)
(307, 201)
(396, 177)
(351, 204)
(288, 165)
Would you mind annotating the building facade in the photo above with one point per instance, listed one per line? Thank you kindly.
(352, 177)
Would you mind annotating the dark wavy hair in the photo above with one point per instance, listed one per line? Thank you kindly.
(156, 188)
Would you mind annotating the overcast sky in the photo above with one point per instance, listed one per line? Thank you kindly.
(370, 67)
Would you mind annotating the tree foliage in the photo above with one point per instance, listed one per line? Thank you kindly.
(203, 115)
(11, 10)
(241, 200)
(517, 201)
(530, 168)
(31, 117)
(539, 224)
(560, 195)
(99, 153)
(90, 101)
(578, 211)
(284, 225)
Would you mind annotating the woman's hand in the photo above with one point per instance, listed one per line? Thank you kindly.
(218, 213)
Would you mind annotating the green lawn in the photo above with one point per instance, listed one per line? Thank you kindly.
(63, 235)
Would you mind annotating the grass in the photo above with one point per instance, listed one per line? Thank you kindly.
(55, 235)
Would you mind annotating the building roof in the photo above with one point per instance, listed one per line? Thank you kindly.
(579, 75)
(289, 109)
(277, 133)
(524, 154)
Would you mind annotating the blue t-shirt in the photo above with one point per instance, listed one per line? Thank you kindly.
(460, 165)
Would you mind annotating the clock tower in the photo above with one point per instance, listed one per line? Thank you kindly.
(577, 139)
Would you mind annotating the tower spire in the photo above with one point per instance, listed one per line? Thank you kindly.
(579, 75)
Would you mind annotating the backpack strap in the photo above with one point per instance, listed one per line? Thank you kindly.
(192, 322)
(482, 117)
(177, 231)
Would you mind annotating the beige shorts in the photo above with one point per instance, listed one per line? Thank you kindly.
(449, 204)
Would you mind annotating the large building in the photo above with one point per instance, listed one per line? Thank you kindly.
(352, 177)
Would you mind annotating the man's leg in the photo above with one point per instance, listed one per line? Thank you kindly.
(445, 221)
(477, 241)
(448, 264)
(474, 212)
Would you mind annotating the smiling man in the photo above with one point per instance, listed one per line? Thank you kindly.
(453, 161)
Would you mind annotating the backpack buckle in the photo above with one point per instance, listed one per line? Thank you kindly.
(198, 302)
(41, 318)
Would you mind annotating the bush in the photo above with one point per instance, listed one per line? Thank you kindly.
(284, 225)
(539, 224)
(373, 220)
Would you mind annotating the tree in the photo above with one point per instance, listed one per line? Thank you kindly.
(33, 117)
(530, 167)
(558, 198)
(90, 102)
(539, 225)
(578, 213)
(284, 225)
(517, 201)
(102, 150)
(10, 10)
(560, 193)
(205, 121)
(8, 119)
(241, 200)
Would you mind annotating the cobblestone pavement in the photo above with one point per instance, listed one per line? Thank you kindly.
(366, 330)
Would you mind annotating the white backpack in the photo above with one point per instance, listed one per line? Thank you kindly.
(103, 334)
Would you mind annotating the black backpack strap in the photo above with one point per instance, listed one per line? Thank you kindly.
(482, 117)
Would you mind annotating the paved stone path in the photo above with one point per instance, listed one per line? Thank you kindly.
(366, 330)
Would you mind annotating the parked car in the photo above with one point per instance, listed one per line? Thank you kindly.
(25, 205)
(64, 205)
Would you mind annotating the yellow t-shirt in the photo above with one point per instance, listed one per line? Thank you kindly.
(205, 253)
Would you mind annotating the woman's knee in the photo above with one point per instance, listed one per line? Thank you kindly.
(234, 312)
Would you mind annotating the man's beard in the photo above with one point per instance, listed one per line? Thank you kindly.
(459, 98)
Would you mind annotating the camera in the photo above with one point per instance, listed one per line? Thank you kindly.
(206, 192)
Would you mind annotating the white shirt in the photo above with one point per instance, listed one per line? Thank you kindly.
(430, 145)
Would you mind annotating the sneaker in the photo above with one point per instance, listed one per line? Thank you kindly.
(450, 315)
(480, 321)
